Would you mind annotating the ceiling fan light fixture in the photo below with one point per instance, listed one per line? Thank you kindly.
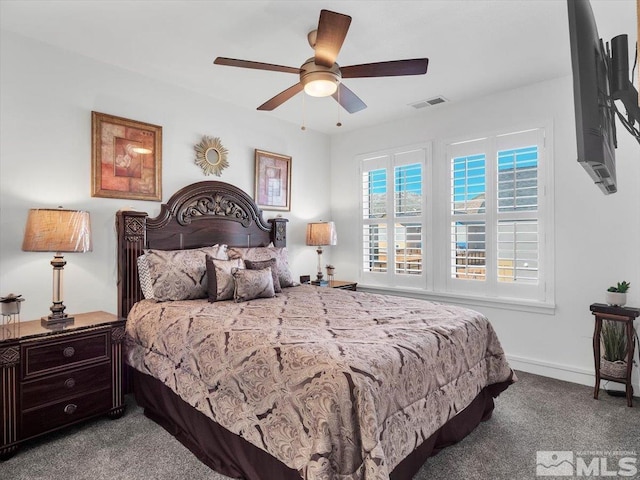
(321, 87)
(318, 80)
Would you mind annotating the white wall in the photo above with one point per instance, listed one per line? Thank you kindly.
(596, 236)
(47, 96)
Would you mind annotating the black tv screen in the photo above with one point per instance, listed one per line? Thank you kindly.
(595, 120)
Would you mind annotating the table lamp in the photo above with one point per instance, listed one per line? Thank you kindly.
(59, 231)
(320, 234)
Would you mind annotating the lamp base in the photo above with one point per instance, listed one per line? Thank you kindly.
(56, 322)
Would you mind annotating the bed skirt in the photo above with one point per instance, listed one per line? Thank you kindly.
(231, 455)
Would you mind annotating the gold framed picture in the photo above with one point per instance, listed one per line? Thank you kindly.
(126, 158)
(273, 181)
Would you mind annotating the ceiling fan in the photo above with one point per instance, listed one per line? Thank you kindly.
(321, 76)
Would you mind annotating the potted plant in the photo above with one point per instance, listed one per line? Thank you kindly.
(614, 349)
(11, 304)
(617, 295)
(330, 270)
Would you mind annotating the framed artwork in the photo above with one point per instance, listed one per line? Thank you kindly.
(273, 181)
(126, 158)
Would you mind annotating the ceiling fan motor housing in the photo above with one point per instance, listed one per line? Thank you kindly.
(310, 72)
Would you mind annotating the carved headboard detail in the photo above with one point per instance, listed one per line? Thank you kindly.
(198, 215)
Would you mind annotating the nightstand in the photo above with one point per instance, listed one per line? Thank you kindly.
(343, 285)
(50, 379)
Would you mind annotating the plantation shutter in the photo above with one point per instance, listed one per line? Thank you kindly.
(494, 215)
(393, 217)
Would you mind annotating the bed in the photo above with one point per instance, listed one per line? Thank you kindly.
(313, 383)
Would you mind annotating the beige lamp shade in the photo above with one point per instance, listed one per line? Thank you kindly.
(321, 233)
(57, 230)
(60, 231)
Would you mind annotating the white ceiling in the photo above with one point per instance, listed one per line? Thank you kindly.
(475, 47)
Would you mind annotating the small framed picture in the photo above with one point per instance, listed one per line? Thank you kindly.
(273, 181)
(126, 158)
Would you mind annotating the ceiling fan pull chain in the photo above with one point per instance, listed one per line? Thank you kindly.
(303, 114)
(339, 124)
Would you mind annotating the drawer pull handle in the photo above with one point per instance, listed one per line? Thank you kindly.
(70, 409)
(69, 383)
(69, 352)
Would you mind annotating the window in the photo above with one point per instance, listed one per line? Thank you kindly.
(393, 217)
(494, 215)
(486, 226)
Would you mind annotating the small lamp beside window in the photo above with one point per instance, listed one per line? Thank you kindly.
(59, 231)
(320, 234)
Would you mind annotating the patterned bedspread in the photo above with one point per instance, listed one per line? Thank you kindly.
(335, 384)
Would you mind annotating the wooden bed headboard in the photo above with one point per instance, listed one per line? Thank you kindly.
(198, 215)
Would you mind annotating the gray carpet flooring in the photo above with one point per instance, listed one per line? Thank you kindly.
(535, 414)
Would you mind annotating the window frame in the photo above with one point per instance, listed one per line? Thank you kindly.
(437, 232)
(491, 145)
(389, 160)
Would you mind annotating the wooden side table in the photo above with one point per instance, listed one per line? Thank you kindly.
(626, 315)
(52, 378)
(343, 285)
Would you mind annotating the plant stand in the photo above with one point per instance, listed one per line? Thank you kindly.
(615, 314)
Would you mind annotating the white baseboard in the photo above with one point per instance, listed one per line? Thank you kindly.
(565, 372)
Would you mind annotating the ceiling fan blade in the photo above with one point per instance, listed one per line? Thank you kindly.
(282, 97)
(332, 30)
(232, 62)
(416, 66)
(349, 100)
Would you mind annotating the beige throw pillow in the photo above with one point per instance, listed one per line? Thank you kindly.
(260, 264)
(180, 274)
(250, 284)
(220, 281)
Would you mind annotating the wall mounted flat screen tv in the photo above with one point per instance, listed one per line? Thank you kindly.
(600, 77)
(595, 121)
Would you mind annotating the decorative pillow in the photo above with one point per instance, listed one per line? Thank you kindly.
(266, 253)
(180, 274)
(282, 260)
(145, 277)
(260, 264)
(220, 281)
(250, 284)
(250, 253)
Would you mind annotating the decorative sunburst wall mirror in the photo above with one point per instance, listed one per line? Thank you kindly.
(211, 156)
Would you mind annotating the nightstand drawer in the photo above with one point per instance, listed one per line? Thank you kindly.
(65, 353)
(40, 420)
(63, 385)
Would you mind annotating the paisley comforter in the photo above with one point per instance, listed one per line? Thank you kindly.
(335, 384)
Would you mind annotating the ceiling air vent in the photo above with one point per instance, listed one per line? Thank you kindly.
(430, 102)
